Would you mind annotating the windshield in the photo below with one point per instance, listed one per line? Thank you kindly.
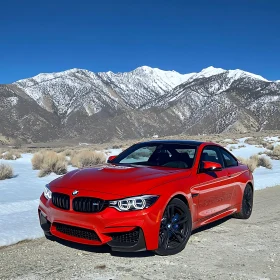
(158, 154)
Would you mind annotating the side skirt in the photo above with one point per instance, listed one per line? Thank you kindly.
(216, 217)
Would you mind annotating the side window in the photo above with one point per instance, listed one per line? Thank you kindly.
(229, 160)
(211, 153)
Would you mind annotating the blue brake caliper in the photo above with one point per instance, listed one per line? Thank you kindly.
(174, 225)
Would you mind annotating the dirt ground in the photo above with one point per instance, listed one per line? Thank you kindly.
(230, 249)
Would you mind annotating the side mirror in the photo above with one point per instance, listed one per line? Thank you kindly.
(211, 166)
(110, 159)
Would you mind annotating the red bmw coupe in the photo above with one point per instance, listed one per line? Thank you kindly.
(149, 197)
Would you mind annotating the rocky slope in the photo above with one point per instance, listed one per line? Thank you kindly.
(101, 106)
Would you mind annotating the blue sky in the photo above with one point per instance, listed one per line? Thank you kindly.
(119, 35)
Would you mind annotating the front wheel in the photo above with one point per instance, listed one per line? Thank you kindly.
(175, 228)
(247, 204)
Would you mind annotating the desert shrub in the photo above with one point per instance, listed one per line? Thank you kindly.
(68, 152)
(6, 171)
(49, 161)
(255, 161)
(241, 146)
(11, 155)
(270, 147)
(37, 160)
(251, 162)
(276, 151)
(254, 141)
(87, 158)
(265, 162)
(58, 150)
(117, 146)
(228, 141)
(264, 144)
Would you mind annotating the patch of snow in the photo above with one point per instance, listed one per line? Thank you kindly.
(264, 177)
(228, 140)
(210, 71)
(19, 201)
(236, 74)
(271, 139)
(84, 144)
(13, 100)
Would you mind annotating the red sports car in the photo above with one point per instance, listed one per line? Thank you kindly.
(149, 197)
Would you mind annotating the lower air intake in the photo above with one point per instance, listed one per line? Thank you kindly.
(77, 232)
(130, 237)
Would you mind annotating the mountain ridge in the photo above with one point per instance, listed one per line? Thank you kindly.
(145, 101)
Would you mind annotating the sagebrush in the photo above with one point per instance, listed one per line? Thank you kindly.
(255, 161)
(48, 162)
(6, 171)
(87, 158)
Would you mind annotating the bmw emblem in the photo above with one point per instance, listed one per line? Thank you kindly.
(75, 192)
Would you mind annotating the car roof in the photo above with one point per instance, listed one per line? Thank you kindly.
(182, 142)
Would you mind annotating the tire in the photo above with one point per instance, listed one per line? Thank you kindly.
(175, 228)
(247, 204)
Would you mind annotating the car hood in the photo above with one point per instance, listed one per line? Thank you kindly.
(118, 180)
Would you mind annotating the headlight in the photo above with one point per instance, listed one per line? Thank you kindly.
(47, 192)
(134, 203)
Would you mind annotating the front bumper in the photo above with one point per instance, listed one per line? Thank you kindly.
(123, 231)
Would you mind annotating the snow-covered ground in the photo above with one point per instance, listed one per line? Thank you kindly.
(19, 199)
(263, 177)
(19, 196)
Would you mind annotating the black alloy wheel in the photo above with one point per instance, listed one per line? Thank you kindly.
(175, 228)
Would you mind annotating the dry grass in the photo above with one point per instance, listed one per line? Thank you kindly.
(37, 160)
(275, 153)
(255, 141)
(265, 162)
(251, 162)
(276, 150)
(87, 158)
(6, 171)
(68, 153)
(270, 147)
(255, 161)
(48, 162)
(10, 155)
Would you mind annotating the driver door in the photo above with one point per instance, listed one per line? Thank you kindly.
(213, 190)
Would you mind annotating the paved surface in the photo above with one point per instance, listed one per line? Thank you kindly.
(232, 249)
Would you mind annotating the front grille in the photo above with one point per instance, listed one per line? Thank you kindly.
(130, 237)
(61, 200)
(77, 232)
(88, 204)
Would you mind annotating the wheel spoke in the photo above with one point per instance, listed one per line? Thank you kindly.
(183, 220)
(179, 236)
(165, 239)
(170, 212)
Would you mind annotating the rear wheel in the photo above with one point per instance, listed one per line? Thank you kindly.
(247, 204)
(175, 228)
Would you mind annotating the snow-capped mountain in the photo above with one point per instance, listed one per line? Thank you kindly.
(143, 102)
(78, 89)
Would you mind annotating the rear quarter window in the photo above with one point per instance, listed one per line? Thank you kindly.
(229, 159)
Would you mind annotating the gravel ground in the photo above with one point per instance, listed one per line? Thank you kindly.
(230, 249)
